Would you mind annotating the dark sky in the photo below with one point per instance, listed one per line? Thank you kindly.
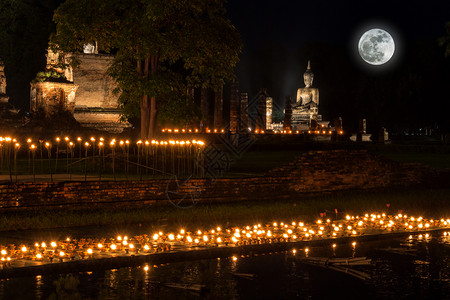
(274, 31)
(280, 36)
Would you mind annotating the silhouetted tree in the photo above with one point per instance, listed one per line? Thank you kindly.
(162, 49)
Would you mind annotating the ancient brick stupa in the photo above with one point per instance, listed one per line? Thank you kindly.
(53, 91)
(84, 94)
(8, 114)
(3, 97)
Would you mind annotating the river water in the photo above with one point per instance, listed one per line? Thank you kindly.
(403, 268)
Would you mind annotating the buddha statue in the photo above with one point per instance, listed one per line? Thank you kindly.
(308, 97)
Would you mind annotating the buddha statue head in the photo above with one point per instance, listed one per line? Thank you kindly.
(308, 76)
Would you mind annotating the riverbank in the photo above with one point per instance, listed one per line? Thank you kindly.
(59, 222)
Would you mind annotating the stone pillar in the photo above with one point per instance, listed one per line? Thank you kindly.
(205, 109)
(361, 130)
(2, 79)
(244, 124)
(269, 113)
(261, 111)
(234, 108)
(383, 135)
(362, 126)
(218, 109)
(338, 124)
(287, 122)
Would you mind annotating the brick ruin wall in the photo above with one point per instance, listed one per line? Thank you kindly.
(319, 171)
(96, 106)
(95, 85)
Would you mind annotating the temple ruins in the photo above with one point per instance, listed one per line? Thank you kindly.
(85, 91)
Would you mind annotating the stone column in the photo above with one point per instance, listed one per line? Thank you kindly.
(287, 122)
(362, 126)
(2, 79)
(3, 97)
(383, 135)
(205, 109)
(269, 113)
(244, 124)
(218, 109)
(361, 130)
(338, 124)
(234, 108)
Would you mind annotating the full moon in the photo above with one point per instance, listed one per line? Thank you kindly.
(376, 46)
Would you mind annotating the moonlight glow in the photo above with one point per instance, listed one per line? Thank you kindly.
(376, 46)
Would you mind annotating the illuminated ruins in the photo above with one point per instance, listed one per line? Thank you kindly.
(85, 91)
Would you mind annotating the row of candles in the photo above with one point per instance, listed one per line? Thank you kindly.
(70, 143)
(170, 155)
(323, 131)
(351, 226)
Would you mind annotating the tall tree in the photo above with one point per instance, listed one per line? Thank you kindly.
(163, 48)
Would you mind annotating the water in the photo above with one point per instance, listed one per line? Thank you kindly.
(423, 275)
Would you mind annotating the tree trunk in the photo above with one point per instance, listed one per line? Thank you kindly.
(153, 109)
(145, 109)
(218, 108)
(147, 104)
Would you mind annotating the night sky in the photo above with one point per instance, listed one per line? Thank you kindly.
(280, 36)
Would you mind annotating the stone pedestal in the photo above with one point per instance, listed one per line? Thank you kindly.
(305, 120)
(101, 118)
